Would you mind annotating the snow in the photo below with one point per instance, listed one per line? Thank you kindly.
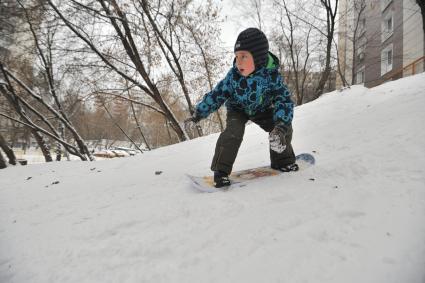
(362, 219)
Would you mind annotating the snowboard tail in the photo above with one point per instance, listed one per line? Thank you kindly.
(241, 178)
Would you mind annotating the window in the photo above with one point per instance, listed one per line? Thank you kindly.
(387, 26)
(360, 76)
(389, 55)
(387, 59)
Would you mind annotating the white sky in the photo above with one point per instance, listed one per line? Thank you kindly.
(233, 24)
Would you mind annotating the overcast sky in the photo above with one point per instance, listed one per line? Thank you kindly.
(233, 23)
(236, 20)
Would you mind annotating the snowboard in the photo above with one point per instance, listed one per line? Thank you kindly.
(241, 178)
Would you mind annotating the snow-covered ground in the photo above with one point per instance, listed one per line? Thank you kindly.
(362, 219)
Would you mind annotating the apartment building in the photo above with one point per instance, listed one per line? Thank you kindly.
(379, 40)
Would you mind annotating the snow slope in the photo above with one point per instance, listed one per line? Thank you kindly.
(362, 219)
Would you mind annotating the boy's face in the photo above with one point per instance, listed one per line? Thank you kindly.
(244, 62)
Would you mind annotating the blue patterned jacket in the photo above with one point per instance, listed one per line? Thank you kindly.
(262, 90)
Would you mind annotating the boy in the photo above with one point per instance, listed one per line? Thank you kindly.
(253, 90)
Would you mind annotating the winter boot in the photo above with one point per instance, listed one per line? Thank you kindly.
(221, 179)
(287, 168)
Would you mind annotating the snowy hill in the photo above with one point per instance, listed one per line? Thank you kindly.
(357, 216)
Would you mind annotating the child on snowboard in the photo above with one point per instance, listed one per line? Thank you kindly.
(253, 90)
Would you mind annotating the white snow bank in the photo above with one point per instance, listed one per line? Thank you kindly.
(137, 219)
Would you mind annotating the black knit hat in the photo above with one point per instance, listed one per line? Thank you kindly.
(254, 41)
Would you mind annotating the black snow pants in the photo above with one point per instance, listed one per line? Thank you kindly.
(230, 139)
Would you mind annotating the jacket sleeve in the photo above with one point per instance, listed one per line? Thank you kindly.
(215, 98)
(283, 104)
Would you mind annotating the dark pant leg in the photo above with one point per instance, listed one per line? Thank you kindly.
(228, 143)
(265, 121)
(287, 156)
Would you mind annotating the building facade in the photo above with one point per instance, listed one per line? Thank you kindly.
(379, 40)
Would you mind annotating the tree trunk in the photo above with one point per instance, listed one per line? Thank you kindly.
(326, 72)
(43, 146)
(58, 144)
(353, 67)
(331, 16)
(421, 4)
(341, 74)
(2, 161)
(293, 54)
(8, 151)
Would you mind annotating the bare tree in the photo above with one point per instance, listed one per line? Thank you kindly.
(128, 27)
(21, 106)
(45, 55)
(140, 42)
(298, 51)
(201, 34)
(170, 45)
(121, 25)
(331, 12)
(15, 101)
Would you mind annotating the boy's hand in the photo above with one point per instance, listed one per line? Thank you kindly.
(190, 123)
(277, 140)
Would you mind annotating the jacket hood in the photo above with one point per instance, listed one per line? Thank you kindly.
(272, 61)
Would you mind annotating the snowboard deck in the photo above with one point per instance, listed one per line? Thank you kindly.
(241, 178)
